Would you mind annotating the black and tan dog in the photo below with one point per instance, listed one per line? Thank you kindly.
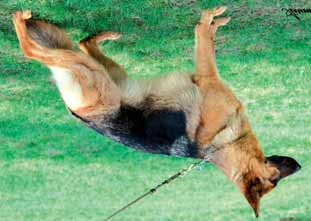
(189, 115)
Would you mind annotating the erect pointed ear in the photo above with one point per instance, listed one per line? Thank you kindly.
(285, 165)
(253, 192)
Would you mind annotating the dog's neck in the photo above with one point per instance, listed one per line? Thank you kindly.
(235, 158)
(243, 162)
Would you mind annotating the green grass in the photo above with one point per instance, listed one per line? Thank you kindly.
(54, 168)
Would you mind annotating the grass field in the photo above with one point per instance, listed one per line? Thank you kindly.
(54, 168)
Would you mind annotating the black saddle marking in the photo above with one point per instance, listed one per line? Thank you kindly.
(165, 126)
(162, 131)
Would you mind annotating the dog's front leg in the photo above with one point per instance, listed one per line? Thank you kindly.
(205, 31)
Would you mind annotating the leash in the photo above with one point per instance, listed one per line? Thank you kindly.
(182, 172)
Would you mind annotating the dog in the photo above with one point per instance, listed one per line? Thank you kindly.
(182, 114)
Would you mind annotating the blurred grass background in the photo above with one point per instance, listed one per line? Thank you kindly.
(54, 168)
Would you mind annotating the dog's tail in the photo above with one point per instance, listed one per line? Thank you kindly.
(48, 35)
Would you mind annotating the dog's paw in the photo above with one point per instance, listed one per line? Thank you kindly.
(22, 15)
(208, 15)
(208, 25)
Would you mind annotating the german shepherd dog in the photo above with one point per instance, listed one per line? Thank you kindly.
(188, 115)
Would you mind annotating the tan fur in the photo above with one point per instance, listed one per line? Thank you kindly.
(92, 84)
(89, 46)
(224, 134)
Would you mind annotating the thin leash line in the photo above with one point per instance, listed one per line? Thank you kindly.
(182, 172)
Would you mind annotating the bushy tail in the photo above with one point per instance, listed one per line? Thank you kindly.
(48, 35)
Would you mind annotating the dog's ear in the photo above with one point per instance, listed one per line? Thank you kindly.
(285, 165)
(255, 182)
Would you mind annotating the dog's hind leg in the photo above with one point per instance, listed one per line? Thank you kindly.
(83, 83)
(89, 45)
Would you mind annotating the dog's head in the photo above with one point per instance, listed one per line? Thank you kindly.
(243, 162)
(262, 175)
(254, 174)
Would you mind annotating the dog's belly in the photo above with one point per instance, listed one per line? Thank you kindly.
(162, 132)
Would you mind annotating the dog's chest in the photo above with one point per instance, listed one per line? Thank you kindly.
(162, 131)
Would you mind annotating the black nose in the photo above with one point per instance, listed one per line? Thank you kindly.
(298, 167)
(286, 165)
